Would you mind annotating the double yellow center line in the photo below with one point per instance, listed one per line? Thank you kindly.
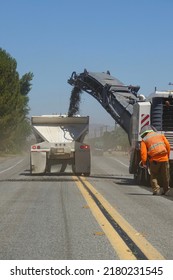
(126, 241)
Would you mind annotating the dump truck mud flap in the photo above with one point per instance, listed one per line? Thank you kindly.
(82, 162)
(38, 162)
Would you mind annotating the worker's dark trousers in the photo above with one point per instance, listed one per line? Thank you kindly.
(159, 175)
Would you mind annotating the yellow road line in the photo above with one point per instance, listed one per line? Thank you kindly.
(119, 245)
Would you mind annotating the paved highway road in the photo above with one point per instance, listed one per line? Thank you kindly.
(104, 216)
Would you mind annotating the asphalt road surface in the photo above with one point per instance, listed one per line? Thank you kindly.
(63, 217)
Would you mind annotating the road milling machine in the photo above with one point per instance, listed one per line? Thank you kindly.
(60, 145)
(131, 111)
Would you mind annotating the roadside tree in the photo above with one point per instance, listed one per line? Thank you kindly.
(14, 109)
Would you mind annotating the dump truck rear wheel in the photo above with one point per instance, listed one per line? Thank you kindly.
(87, 174)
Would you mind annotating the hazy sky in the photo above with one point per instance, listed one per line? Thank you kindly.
(133, 39)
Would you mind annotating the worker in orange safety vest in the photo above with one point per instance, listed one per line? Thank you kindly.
(156, 149)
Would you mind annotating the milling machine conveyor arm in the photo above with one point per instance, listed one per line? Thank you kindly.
(115, 97)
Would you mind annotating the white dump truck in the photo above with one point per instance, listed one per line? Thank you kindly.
(60, 143)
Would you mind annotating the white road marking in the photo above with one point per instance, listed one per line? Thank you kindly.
(120, 162)
(11, 166)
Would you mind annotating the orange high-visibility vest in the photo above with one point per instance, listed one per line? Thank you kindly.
(158, 157)
(155, 144)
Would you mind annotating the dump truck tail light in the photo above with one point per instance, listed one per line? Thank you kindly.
(84, 147)
(34, 147)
